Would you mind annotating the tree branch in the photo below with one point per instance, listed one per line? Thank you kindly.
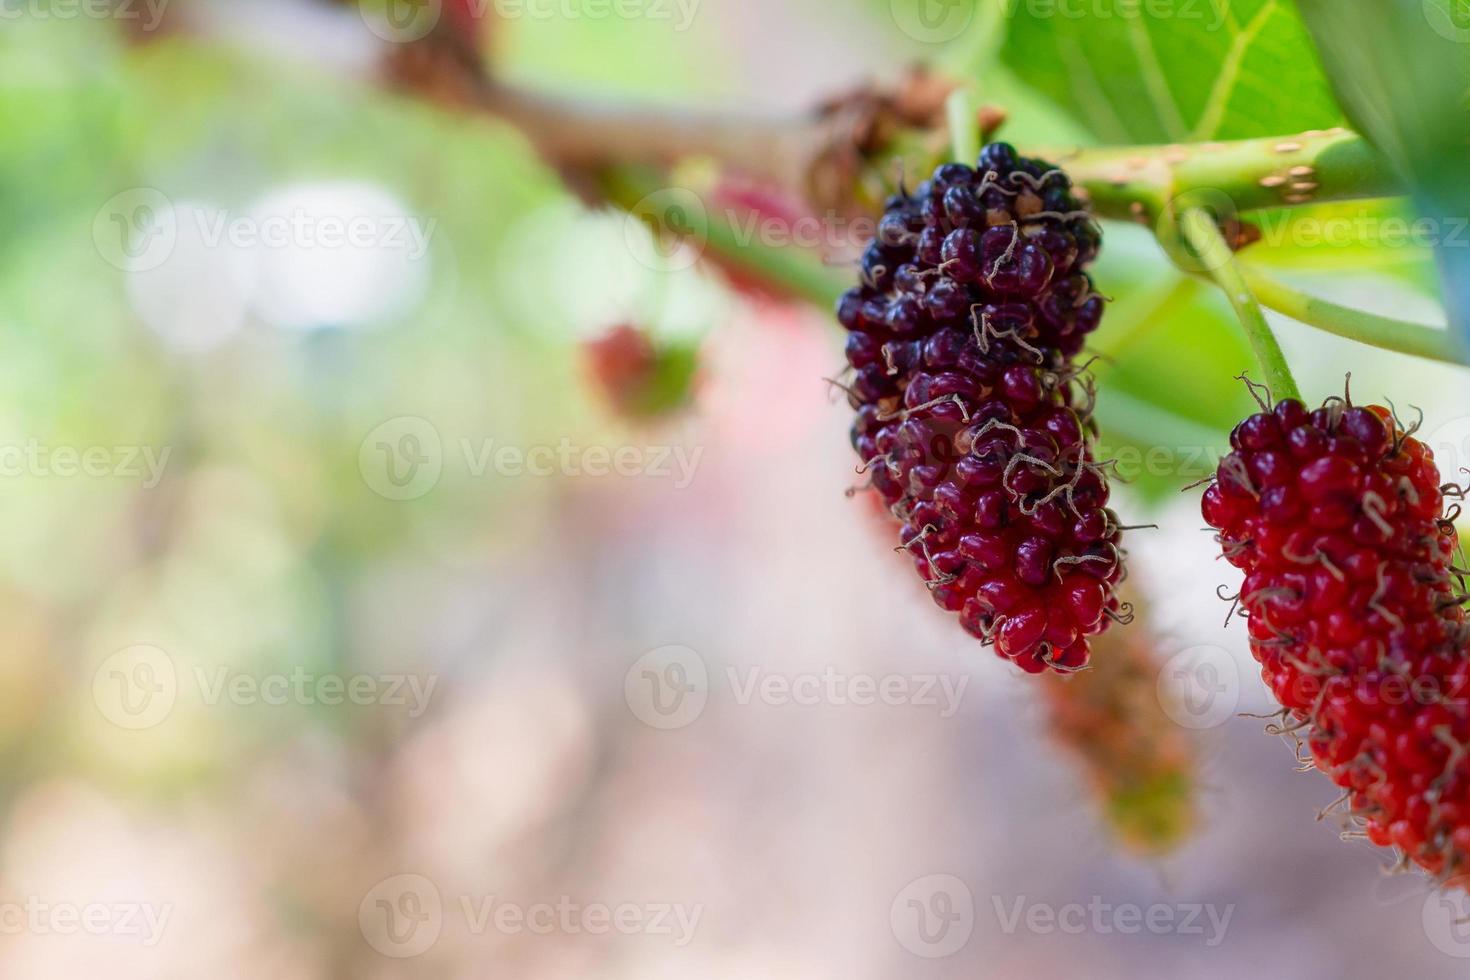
(587, 135)
(1145, 183)
(822, 153)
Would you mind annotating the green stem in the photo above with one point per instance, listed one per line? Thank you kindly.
(964, 128)
(1141, 182)
(1368, 328)
(1204, 236)
(791, 269)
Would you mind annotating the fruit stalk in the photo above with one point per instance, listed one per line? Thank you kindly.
(1209, 245)
(1383, 332)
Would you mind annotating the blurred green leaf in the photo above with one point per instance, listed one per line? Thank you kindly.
(1170, 350)
(672, 385)
(1378, 234)
(1032, 119)
(676, 53)
(1174, 71)
(1401, 69)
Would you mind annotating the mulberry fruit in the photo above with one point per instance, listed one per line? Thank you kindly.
(972, 418)
(1355, 613)
(1139, 762)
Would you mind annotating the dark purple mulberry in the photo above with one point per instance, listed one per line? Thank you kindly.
(971, 419)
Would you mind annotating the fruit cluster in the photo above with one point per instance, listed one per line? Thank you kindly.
(971, 419)
(1115, 720)
(1335, 516)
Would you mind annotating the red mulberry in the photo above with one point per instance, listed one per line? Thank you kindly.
(971, 419)
(1355, 611)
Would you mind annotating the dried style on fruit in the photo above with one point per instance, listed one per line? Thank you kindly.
(972, 420)
(1355, 608)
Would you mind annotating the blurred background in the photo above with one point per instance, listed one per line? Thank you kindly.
(361, 621)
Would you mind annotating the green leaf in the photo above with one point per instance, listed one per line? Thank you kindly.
(1401, 69)
(1171, 70)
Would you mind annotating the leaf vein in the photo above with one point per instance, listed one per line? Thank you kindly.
(1154, 81)
(1214, 111)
